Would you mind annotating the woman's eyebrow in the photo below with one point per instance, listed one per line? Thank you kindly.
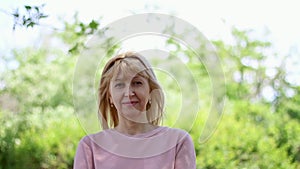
(137, 77)
(118, 79)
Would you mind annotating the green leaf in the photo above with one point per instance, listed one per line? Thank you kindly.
(74, 49)
(43, 16)
(16, 15)
(31, 24)
(37, 9)
(94, 25)
(27, 7)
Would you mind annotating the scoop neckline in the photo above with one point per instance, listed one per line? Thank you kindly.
(141, 135)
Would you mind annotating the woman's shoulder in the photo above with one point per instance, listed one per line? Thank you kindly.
(90, 138)
(176, 131)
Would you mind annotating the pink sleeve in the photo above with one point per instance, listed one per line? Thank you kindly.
(186, 157)
(84, 157)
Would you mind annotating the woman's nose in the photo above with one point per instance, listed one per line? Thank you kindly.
(129, 91)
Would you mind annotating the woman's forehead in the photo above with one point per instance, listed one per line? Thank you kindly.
(123, 75)
(129, 68)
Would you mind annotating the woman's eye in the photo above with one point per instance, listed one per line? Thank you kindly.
(119, 85)
(137, 83)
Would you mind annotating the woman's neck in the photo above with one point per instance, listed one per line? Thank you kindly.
(133, 128)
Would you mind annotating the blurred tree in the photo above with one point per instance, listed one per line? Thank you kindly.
(40, 123)
(36, 106)
(245, 61)
(27, 15)
(250, 134)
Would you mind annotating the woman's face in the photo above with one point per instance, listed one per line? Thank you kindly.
(130, 94)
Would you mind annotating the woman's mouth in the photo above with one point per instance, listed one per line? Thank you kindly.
(130, 103)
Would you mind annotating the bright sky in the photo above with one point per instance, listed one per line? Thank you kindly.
(281, 17)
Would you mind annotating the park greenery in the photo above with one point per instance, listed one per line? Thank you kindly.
(40, 129)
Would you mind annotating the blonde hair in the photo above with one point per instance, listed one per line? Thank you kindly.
(129, 62)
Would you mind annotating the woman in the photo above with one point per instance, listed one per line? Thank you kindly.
(131, 104)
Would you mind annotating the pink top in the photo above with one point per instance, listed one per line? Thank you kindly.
(161, 148)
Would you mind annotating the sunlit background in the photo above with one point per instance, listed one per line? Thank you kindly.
(258, 130)
(274, 21)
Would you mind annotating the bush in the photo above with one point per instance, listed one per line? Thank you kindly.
(41, 139)
(249, 136)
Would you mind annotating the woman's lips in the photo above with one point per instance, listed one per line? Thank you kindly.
(130, 103)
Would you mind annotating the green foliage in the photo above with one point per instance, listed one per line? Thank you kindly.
(290, 105)
(76, 33)
(40, 130)
(250, 136)
(245, 64)
(41, 78)
(254, 132)
(30, 17)
(41, 139)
